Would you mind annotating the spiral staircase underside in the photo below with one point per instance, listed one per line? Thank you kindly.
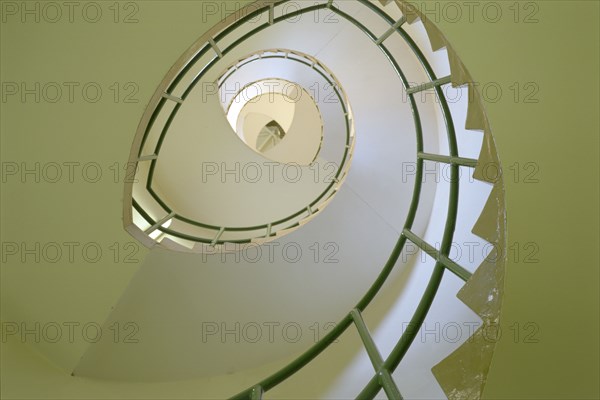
(200, 288)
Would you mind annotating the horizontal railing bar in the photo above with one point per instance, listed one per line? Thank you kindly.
(216, 239)
(216, 48)
(464, 162)
(191, 238)
(159, 223)
(269, 228)
(148, 158)
(367, 340)
(429, 85)
(390, 31)
(437, 256)
(389, 386)
(172, 98)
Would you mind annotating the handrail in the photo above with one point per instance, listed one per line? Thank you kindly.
(384, 368)
(328, 75)
(375, 384)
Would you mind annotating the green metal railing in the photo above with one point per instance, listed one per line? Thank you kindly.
(327, 75)
(383, 368)
(382, 378)
(270, 229)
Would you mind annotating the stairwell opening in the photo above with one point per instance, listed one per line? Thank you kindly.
(276, 118)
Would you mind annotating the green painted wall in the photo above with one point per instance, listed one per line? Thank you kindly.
(560, 135)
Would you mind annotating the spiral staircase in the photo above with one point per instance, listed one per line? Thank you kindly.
(415, 177)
